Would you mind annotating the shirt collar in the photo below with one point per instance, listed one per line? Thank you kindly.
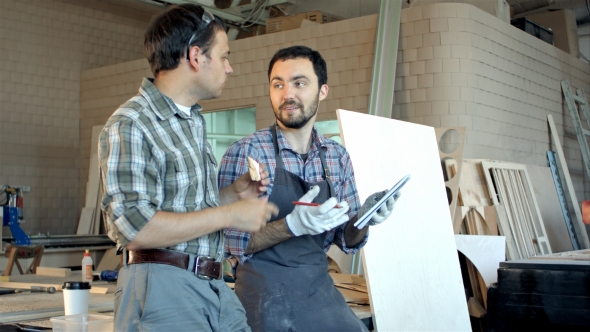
(317, 140)
(162, 106)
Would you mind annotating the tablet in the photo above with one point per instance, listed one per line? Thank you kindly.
(395, 189)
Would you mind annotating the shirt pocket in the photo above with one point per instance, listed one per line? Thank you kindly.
(181, 180)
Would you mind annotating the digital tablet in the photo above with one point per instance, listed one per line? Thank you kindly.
(367, 216)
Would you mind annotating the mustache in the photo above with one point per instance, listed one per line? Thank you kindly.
(291, 103)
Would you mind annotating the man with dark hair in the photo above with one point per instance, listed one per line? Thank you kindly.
(282, 277)
(161, 199)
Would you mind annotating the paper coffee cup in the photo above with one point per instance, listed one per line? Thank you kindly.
(76, 294)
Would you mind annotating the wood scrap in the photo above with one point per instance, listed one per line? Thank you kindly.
(358, 279)
(59, 287)
(352, 296)
(577, 255)
(341, 278)
(475, 308)
(352, 287)
(53, 271)
(473, 186)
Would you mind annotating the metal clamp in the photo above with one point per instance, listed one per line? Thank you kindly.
(198, 259)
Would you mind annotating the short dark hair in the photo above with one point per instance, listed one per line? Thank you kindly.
(298, 52)
(168, 34)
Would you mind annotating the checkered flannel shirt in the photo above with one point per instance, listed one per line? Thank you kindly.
(259, 146)
(150, 160)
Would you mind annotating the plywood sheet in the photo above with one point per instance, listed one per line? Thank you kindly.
(472, 185)
(85, 221)
(450, 149)
(420, 287)
(485, 252)
(546, 195)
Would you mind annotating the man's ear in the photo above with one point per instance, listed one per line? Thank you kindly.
(193, 57)
(323, 92)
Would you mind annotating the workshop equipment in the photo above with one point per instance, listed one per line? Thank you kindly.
(33, 289)
(14, 253)
(109, 275)
(11, 216)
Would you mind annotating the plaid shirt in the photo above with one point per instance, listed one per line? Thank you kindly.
(150, 160)
(259, 146)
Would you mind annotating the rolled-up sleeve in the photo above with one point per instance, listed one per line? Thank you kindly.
(350, 194)
(233, 164)
(130, 179)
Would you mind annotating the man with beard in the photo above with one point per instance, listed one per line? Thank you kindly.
(281, 276)
(161, 199)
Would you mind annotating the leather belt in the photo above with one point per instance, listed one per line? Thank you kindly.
(204, 267)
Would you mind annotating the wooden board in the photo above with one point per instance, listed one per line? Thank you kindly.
(583, 234)
(353, 296)
(472, 185)
(53, 271)
(452, 160)
(27, 285)
(546, 195)
(85, 222)
(419, 287)
(576, 255)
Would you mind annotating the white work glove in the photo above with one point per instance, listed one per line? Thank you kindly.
(384, 211)
(314, 220)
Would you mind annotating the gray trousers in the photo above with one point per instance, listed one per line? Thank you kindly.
(159, 297)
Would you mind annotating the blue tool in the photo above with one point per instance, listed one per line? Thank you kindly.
(109, 275)
(11, 220)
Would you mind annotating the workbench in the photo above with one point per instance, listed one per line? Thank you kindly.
(540, 294)
(36, 308)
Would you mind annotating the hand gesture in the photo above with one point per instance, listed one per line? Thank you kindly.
(314, 220)
(245, 188)
(251, 215)
(384, 211)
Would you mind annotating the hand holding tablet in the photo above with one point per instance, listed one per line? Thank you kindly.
(366, 217)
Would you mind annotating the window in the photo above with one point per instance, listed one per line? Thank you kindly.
(226, 127)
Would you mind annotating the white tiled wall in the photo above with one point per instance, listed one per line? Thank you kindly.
(44, 46)
(472, 69)
(457, 66)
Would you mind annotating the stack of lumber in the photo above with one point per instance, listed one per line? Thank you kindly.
(352, 286)
(90, 216)
(517, 201)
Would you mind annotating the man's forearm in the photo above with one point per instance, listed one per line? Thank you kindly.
(273, 233)
(227, 195)
(352, 235)
(167, 229)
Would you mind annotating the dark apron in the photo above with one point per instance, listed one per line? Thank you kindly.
(287, 287)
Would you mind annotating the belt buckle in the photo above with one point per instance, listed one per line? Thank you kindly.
(197, 260)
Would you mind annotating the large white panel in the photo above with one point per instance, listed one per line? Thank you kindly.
(411, 262)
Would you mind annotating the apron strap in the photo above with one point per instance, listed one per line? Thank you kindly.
(279, 160)
(275, 142)
(327, 173)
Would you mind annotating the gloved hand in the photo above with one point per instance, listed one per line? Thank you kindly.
(384, 211)
(314, 220)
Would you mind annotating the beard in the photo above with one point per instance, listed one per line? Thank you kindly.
(300, 119)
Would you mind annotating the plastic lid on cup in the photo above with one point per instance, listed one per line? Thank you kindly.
(76, 285)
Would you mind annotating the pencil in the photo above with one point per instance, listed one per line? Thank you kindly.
(312, 204)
